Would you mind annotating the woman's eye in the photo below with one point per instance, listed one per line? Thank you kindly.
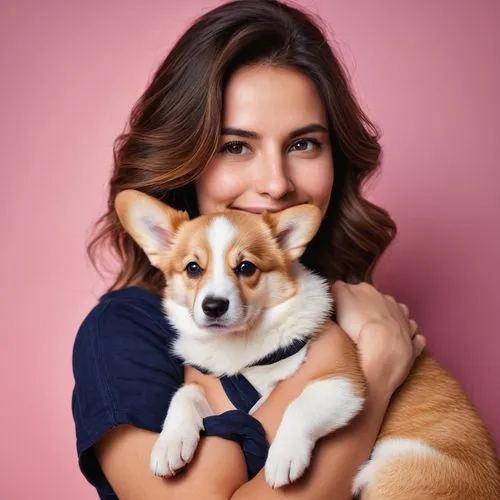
(305, 145)
(246, 268)
(234, 147)
(193, 270)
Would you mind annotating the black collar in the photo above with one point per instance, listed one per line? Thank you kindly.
(274, 357)
(282, 353)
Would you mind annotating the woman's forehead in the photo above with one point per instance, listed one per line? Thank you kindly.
(265, 98)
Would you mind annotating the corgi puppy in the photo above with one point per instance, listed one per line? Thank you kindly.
(236, 294)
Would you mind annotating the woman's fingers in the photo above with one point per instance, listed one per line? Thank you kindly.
(405, 309)
(413, 328)
(418, 345)
(402, 306)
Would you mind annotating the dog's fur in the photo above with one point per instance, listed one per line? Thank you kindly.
(432, 443)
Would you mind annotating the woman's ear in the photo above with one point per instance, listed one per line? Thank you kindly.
(151, 223)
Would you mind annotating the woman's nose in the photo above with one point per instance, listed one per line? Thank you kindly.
(272, 178)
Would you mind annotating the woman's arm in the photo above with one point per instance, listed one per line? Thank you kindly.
(337, 457)
(381, 329)
(335, 461)
(218, 471)
(388, 345)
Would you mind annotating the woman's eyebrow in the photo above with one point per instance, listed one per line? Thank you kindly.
(313, 127)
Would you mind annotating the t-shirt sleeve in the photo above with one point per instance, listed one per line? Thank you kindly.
(124, 374)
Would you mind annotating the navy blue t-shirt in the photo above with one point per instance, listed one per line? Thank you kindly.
(124, 373)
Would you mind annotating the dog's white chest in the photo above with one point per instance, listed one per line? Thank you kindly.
(264, 378)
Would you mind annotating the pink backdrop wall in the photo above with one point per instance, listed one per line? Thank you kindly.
(427, 73)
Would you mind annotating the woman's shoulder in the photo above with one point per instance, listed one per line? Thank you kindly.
(115, 304)
(122, 358)
(124, 317)
(124, 371)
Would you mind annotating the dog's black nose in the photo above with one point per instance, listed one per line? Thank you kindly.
(215, 307)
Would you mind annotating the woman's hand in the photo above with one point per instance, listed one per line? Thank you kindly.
(387, 339)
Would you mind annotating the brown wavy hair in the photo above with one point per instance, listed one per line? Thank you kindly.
(174, 130)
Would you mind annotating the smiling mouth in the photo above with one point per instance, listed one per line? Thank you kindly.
(257, 211)
(243, 211)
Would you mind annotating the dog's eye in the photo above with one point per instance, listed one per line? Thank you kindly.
(193, 270)
(246, 268)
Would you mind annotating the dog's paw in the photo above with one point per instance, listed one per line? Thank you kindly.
(173, 450)
(287, 460)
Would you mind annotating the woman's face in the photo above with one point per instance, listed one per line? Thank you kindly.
(274, 150)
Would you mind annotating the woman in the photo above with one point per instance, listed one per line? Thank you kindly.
(251, 110)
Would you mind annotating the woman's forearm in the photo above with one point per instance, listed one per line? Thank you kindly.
(218, 471)
(335, 460)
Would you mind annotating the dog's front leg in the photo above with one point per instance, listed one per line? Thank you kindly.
(324, 406)
(179, 437)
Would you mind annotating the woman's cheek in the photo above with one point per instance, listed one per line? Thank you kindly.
(316, 184)
(219, 186)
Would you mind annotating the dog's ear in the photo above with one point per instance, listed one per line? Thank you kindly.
(151, 223)
(294, 228)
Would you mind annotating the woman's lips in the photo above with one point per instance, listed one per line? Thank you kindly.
(258, 210)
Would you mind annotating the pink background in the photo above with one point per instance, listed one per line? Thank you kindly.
(428, 74)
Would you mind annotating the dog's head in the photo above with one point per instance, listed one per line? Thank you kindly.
(224, 270)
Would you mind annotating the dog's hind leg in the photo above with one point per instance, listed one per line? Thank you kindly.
(411, 470)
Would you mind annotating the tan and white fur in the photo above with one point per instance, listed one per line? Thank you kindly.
(432, 443)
